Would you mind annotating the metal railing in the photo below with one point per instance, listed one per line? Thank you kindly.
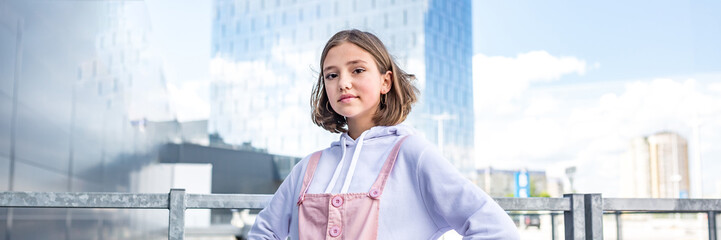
(583, 213)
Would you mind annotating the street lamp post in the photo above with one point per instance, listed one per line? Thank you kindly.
(439, 120)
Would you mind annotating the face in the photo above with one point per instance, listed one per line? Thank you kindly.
(353, 82)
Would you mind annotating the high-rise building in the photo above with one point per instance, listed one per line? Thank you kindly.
(657, 167)
(266, 60)
(73, 76)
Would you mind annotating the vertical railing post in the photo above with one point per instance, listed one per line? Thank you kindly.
(619, 233)
(712, 225)
(553, 226)
(594, 216)
(574, 220)
(176, 214)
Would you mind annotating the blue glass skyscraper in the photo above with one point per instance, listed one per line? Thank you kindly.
(266, 56)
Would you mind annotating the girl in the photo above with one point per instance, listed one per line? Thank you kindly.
(379, 181)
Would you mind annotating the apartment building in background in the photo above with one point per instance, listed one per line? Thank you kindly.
(657, 167)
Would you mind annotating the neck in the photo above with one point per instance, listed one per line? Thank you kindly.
(358, 126)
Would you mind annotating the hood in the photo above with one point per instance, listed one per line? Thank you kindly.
(376, 132)
(370, 134)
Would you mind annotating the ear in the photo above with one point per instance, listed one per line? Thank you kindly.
(387, 82)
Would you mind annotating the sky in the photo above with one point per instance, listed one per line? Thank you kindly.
(560, 83)
(556, 83)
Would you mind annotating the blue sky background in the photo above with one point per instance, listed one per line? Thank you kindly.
(631, 39)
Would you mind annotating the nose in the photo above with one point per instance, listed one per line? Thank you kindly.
(344, 83)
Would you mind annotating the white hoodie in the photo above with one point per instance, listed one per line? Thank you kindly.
(424, 196)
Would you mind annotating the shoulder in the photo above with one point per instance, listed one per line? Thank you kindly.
(415, 146)
(323, 152)
(300, 167)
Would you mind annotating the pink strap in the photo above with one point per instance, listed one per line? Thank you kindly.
(380, 183)
(309, 171)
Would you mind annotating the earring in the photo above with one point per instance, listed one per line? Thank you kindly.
(327, 107)
(383, 100)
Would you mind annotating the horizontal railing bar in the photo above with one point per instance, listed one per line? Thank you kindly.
(534, 204)
(661, 204)
(83, 200)
(259, 201)
(652, 212)
(228, 201)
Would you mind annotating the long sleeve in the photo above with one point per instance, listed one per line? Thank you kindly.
(455, 201)
(273, 222)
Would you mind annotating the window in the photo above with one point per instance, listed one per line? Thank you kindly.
(335, 8)
(413, 39)
(385, 20)
(405, 17)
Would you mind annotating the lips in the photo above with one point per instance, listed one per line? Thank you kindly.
(346, 98)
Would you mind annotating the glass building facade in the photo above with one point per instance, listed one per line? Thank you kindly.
(266, 56)
(78, 88)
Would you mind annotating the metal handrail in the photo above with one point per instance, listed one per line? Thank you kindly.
(583, 213)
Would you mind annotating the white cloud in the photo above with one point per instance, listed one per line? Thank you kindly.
(500, 94)
(715, 87)
(498, 80)
(589, 125)
(190, 100)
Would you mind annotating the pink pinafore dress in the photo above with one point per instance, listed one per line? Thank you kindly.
(344, 215)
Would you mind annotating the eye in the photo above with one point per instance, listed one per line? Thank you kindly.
(358, 70)
(331, 76)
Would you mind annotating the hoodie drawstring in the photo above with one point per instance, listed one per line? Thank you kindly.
(337, 168)
(353, 161)
(351, 169)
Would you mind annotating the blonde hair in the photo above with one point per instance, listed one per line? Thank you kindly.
(395, 105)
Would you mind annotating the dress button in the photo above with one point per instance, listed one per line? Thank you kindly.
(334, 231)
(375, 193)
(337, 201)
